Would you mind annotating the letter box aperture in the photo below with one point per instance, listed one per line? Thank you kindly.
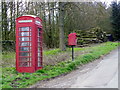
(28, 43)
(72, 39)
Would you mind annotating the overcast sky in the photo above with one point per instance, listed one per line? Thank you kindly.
(108, 1)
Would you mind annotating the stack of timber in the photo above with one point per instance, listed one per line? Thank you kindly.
(94, 35)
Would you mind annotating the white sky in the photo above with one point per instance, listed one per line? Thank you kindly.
(108, 1)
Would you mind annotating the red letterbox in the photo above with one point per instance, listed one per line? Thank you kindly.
(28, 43)
(72, 39)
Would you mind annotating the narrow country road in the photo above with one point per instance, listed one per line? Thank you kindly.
(101, 73)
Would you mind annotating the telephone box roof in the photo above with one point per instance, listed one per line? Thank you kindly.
(33, 16)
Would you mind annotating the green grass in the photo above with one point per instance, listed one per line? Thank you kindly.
(57, 51)
(52, 52)
(0, 77)
(8, 59)
(12, 79)
(9, 55)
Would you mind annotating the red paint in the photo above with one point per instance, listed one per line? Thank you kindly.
(27, 44)
(72, 39)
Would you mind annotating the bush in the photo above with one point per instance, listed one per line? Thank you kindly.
(8, 45)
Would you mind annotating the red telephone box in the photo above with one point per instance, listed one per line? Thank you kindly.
(28, 43)
(72, 39)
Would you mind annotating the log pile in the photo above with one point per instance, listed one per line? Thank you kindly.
(94, 35)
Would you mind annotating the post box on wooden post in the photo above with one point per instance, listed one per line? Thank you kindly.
(72, 41)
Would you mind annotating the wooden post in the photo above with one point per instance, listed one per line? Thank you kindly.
(72, 53)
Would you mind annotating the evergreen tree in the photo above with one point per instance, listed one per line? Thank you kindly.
(116, 20)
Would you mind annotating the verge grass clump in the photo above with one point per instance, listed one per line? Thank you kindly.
(13, 79)
(52, 52)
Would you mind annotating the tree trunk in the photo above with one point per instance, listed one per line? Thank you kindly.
(61, 28)
(0, 22)
(4, 20)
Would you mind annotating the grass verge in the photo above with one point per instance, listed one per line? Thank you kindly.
(12, 79)
(8, 58)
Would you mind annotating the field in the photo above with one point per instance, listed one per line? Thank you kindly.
(56, 62)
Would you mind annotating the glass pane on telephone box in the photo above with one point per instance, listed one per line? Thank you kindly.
(39, 53)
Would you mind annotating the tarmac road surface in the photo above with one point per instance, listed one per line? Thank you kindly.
(101, 73)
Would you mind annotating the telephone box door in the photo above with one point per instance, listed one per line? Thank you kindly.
(24, 49)
(39, 48)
